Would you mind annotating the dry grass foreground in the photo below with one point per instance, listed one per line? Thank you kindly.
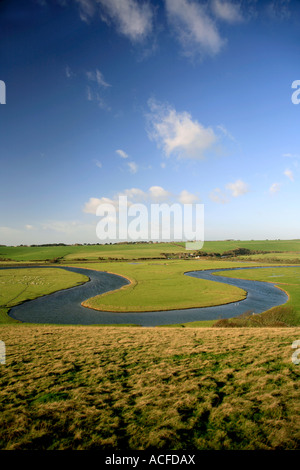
(147, 388)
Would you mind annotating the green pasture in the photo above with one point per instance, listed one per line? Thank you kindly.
(162, 285)
(19, 285)
(287, 279)
(88, 252)
(196, 386)
(154, 285)
(288, 257)
(140, 250)
(109, 389)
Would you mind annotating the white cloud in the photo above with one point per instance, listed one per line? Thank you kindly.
(196, 30)
(157, 193)
(178, 133)
(274, 188)
(97, 76)
(186, 197)
(97, 85)
(68, 72)
(133, 19)
(227, 11)
(238, 188)
(225, 132)
(29, 227)
(122, 153)
(133, 168)
(91, 206)
(279, 9)
(134, 194)
(289, 174)
(89, 94)
(291, 155)
(86, 9)
(98, 164)
(218, 196)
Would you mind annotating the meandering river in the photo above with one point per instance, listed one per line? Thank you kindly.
(64, 307)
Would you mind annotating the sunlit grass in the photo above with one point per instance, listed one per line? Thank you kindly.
(19, 285)
(159, 285)
(143, 388)
(287, 279)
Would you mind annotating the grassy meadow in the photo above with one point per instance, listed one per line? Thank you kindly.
(20, 285)
(148, 388)
(229, 385)
(274, 248)
(162, 285)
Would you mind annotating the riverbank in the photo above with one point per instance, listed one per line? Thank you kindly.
(65, 307)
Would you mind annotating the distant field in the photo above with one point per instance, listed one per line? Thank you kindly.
(148, 388)
(162, 285)
(18, 285)
(155, 285)
(289, 257)
(286, 278)
(135, 251)
(89, 252)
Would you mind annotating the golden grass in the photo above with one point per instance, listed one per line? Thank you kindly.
(143, 388)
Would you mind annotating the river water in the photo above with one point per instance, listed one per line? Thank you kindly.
(64, 307)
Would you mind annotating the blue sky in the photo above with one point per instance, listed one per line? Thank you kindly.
(162, 100)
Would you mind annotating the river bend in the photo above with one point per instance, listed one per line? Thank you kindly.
(64, 307)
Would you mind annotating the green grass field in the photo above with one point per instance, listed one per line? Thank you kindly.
(19, 285)
(162, 285)
(135, 251)
(113, 388)
(227, 385)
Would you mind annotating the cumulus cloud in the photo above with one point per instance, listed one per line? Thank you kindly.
(178, 133)
(218, 196)
(238, 188)
(134, 194)
(93, 203)
(185, 197)
(274, 188)
(289, 174)
(155, 194)
(227, 11)
(133, 168)
(158, 194)
(196, 30)
(121, 153)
